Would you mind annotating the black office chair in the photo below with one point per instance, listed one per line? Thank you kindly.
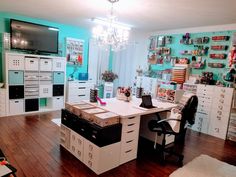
(186, 109)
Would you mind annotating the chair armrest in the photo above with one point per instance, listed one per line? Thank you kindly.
(166, 120)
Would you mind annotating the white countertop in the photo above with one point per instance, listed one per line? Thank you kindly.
(129, 109)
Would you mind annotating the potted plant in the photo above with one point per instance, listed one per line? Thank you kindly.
(109, 76)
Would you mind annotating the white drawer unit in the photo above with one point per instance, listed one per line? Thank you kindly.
(45, 64)
(77, 145)
(2, 102)
(78, 90)
(214, 105)
(15, 62)
(45, 91)
(56, 102)
(16, 106)
(58, 64)
(98, 159)
(101, 159)
(65, 137)
(129, 138)
(31, 63)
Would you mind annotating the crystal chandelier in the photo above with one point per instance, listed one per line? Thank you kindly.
(110, 33)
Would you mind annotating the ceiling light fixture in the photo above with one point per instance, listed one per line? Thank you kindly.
(111, 33)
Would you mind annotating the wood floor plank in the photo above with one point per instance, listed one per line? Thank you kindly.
(31, 144)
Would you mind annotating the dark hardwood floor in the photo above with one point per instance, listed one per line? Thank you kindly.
(31, 144)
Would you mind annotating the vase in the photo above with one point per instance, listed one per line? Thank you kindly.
(108, 90)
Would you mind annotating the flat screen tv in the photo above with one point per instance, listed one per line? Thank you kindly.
(33, 37)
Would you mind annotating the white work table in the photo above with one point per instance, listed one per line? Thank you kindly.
(102, 159)
(129, 109)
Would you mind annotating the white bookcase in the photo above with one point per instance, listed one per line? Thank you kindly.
(34, 83)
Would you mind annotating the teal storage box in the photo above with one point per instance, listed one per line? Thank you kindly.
(58, 77)
(16, 77)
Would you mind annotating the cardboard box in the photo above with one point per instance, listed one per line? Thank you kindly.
(88, 114)
(106, 119)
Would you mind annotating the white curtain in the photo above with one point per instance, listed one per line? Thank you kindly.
(98, 61)
(123, 64)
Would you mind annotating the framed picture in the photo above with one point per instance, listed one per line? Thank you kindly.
(74, 51)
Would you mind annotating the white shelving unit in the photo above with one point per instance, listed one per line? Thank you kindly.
(34, 83)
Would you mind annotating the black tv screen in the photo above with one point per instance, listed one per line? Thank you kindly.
(33, 37)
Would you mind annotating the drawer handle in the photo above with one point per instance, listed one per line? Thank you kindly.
(131, 117)
(129, 141)
(58, 98)
(218, 117)
(82, 129)
(79, 153)
(46, 62)
(81, 95)
(217, 130)
(90, 163)
(94, 137)
(31, 61)
(16, 72)
(82, 87)
(90, 155)
(130, 124)
(130, 131)
(16, 101)
(90, 147)
(128, 151)
(79, 142)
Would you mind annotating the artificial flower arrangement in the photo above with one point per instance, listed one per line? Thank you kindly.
(124, 93)
(109, 76)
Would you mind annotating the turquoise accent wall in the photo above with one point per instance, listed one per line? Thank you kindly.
(176, 47)
(64, 31)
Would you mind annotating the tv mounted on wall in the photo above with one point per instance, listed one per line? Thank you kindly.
(33, 37)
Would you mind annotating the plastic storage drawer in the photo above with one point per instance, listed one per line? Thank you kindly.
(31, 105)
(58, 77)
(58, 64)
(31, 64)
(16, 78)
(57, 102)
(58, 90)
(74, 122)
(16, 62)
(16, 92)
(45, 64)
(103, 136)
(45, 91)
(16, 106)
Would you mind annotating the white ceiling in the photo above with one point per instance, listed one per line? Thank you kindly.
(142, 15)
